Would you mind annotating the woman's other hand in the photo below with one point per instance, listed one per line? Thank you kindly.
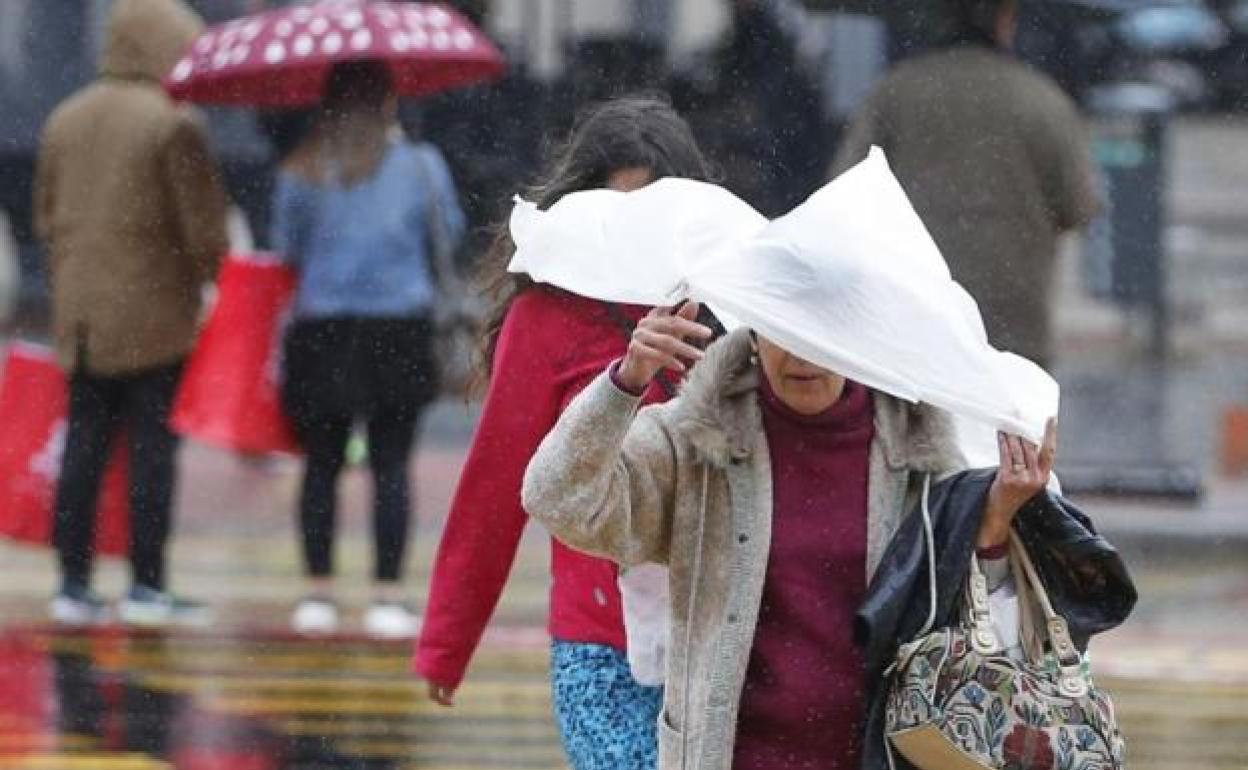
(1024, 472)
(662, 341)
(441, 694)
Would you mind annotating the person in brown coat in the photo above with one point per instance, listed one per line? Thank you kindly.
(994, 157)
(130, 207)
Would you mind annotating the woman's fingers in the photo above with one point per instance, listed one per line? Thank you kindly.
(1048, 446)
(668, 344)
(1030, 456)
(443, 696)
(656, 358)
(660, 342)
(676, 326)
(1018, 458)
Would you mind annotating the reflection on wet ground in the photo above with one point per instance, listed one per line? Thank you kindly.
(117, 701)
(114, 700)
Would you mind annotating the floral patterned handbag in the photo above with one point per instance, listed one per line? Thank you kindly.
(959, 701)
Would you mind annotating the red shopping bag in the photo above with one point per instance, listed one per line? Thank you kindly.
(229, 395)
(33, 399)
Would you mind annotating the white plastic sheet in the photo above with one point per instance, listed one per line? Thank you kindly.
(849, 280)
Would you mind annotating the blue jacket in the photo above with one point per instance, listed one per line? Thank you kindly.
(367, 250)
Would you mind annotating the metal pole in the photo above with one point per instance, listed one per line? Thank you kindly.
(1154, 130)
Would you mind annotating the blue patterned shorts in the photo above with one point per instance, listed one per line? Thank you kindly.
(607, 720)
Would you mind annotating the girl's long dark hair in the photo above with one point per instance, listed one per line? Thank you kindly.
(628, 132)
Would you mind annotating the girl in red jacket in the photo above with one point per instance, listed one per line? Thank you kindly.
(606, 719)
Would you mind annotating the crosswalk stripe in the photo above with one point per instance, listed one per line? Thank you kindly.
(477, 730)
(261, 705)
(86, 761)
(362, 688)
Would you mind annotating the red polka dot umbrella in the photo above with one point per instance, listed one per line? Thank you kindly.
(280, 58)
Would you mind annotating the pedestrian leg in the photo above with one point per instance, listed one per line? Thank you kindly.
(95, 407)
(391, 436)
(153, 472)
(606, 719)
(324, 440)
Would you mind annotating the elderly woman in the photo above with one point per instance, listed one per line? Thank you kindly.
(771, 488)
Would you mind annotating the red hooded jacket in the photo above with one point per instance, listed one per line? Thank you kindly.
(552, 345)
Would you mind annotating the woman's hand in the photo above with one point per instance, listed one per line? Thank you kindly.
(441, 694)
(1024, 472)
(661, 341)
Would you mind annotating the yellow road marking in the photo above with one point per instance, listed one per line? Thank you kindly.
(89, 761)
(360, 687)
(541, 728)
(45, 740)
(216, 662)
(259, 705)
(397, 749)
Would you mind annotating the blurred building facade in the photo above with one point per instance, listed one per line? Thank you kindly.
(766, 83)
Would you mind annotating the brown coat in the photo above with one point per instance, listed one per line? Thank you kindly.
(688, 484)
(129, 203)
(994, 157)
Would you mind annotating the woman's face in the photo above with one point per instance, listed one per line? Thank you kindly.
(799, 384)
(629, 179)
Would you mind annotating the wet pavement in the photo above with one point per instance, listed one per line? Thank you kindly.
(112, 700)
(247, 694)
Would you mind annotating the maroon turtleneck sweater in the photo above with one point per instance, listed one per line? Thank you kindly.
(802, 702)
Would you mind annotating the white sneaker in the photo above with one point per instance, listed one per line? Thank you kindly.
(315, 616)
(78, 609)
(391, 620)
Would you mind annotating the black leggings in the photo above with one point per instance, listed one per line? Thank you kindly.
(99, 407)
(390, 440)
(337, 369)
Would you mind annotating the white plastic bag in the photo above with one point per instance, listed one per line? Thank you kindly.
(647, 621)
(849, 280)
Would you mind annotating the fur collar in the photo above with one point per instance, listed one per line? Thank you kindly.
(719, 413)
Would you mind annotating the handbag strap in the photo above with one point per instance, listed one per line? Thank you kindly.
(984, 637)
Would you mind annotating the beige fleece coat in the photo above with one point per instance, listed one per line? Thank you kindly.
(129, 203)
(688, 484)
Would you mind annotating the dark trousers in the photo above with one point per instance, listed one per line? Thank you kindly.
(380, 371)
(390, 439)
(99, 409)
